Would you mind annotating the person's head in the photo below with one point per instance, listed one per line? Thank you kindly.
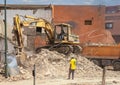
(72, 57)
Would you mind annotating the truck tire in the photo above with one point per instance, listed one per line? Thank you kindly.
(116, 66)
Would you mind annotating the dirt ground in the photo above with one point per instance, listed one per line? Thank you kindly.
(64, 81)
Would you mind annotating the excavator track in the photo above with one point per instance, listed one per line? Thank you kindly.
(65, 49)
(77, 49)
(116, 66)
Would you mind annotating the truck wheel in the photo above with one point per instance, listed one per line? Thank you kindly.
(116, 66)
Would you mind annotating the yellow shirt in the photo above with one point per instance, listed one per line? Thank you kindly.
(73, 64)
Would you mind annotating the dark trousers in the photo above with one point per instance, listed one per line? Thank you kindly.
(71, 72)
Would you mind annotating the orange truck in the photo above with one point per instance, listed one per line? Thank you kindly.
(103, 55)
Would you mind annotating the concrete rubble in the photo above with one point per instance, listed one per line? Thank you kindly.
(51, 64)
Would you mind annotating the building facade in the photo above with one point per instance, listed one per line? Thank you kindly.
(87, 21)
(112, 21)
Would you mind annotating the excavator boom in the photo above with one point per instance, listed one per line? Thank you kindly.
(18, 32)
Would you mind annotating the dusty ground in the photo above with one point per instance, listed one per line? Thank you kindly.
(64, 81)
(52, 69)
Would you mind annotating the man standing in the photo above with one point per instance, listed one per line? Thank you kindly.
(72, 67)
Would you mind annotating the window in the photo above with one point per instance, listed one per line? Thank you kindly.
(112, 17)
(110, 11)
(109, 25)
(88, 22)
(38, 30)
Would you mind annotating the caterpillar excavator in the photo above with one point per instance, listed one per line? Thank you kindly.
(59, 36)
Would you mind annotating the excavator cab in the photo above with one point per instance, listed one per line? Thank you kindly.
(63, 34)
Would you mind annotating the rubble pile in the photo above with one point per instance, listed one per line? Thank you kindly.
(51, 64)
(87, 68)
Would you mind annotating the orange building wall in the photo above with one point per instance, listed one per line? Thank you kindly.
(76, 15)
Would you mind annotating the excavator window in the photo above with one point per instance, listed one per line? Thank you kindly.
(60, 31)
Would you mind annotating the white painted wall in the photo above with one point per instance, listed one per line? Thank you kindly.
(9, 44)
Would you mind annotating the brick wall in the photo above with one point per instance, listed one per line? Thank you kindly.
(113, 16)
(76, 16)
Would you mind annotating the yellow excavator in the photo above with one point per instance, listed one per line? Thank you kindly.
(59, 36)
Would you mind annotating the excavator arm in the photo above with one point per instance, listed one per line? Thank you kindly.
(18, 32)
(28, 22)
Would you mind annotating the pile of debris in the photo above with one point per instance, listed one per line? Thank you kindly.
(51, 64)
